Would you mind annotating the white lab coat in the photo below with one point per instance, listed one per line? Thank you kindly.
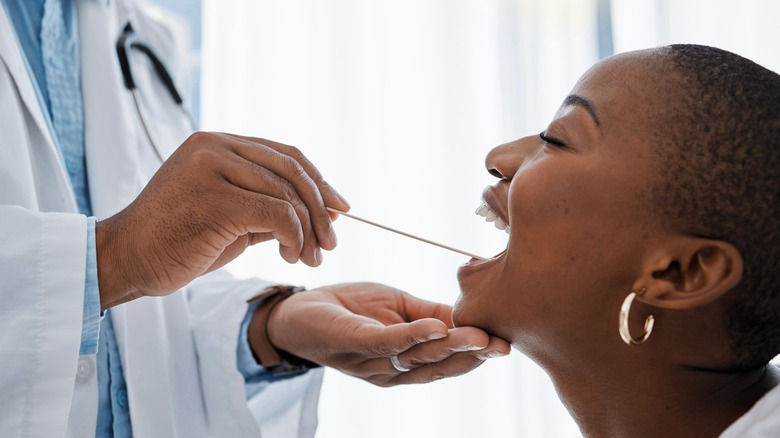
(178, 352)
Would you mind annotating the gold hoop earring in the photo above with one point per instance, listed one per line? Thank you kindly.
(625, 333)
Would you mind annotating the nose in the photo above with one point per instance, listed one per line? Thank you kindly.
(504, 161)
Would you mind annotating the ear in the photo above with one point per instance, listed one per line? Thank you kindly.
(690, 273)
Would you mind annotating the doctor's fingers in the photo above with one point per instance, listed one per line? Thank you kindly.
(290, 163)
(381, 371)
(248, 212)
(332, 197)
(414, 308)
(237, 247)
(458, 340)
(257, 179)
(454, 365)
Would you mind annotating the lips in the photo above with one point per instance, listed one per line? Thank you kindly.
(495, 197)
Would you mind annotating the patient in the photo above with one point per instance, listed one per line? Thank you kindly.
(656, 190)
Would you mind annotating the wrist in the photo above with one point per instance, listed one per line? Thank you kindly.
(113, 282)
(272, 326)
(266, 319)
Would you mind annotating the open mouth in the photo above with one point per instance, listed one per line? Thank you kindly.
(494, 205)
(494, 211)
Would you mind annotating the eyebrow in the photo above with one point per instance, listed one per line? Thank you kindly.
(574, 99)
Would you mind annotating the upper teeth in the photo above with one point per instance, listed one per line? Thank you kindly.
(491, 216)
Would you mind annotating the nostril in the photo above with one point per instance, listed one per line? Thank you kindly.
(493, 171)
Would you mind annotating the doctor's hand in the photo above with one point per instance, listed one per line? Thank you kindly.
(357, 327)
(214, 197)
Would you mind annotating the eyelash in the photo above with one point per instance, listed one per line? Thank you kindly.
(552, 141)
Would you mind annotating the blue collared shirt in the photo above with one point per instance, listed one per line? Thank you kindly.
(48, 33)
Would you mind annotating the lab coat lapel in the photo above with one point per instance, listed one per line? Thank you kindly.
(111, 136)
(11, 53)
(45, 151)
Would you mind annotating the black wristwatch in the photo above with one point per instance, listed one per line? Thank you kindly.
(277, 362)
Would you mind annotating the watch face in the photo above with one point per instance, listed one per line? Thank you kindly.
(287, 368)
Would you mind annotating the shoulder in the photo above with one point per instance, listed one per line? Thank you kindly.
(763, 419)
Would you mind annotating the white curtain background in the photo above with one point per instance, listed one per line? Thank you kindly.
(746, 27)
(397, 103)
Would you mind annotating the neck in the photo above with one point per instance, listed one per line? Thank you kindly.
(653, 400)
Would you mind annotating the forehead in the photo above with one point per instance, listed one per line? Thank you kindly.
(632, 96)
(627, 91)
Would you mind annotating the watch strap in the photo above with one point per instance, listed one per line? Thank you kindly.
(277, 362)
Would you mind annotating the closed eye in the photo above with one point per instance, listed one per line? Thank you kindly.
(552, 141)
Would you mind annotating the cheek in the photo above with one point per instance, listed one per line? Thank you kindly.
(548, 216)
(563, 209)
(571, 234)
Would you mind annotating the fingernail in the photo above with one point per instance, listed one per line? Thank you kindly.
(289, 258)
(474, 348)
(493, 354)
(332, 234)
(318, 256)
(437, 335)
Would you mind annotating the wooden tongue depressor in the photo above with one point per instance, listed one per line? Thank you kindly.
(351, 216)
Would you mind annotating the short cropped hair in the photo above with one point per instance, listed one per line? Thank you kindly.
(720, 155)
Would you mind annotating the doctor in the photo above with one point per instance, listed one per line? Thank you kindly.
(90, 222)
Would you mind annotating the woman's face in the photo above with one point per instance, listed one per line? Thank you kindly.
(576, 200)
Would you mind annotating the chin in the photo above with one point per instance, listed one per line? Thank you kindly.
(471, 313)
(486, 302)
(475, 282)
(460, 316)
(465, 311)
(470, 310)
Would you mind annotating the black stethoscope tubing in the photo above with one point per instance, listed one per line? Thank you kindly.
(127, 41)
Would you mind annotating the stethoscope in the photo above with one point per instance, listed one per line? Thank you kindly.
(127, 41)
